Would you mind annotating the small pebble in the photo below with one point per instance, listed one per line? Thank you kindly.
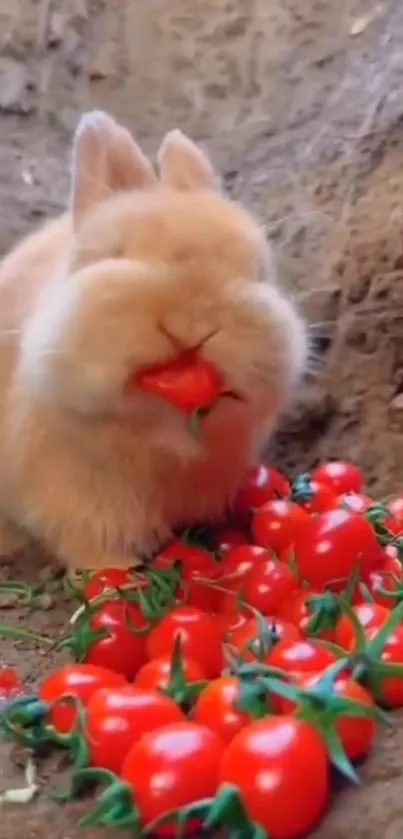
(9, 601)
(45, 601)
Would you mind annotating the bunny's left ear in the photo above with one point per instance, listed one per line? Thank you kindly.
(183, 165)
(106, 159)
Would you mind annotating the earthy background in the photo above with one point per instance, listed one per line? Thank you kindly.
(300, 103)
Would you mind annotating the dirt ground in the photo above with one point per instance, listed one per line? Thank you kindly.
(301, 107)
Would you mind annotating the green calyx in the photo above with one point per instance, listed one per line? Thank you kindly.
(114, 807)
(153, 602)
(265, 639)
(253, 696)
(326, 609)
(322, 707)
(25, 721)
(366, 659)
(184, 693)
(301, 491)
(377, 514)
(225, 810)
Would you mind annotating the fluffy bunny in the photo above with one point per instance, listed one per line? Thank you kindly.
(140, 266)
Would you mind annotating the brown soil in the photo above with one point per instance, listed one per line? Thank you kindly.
(300, 105)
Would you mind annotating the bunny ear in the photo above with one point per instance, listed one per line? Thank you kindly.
(105, 160)
(183, 165)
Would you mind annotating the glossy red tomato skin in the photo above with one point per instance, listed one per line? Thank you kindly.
(340, 475)
(187, 382)
(369, 615)
(215, 708)
(290, 754)
(276, 525)
(356, 733)
(122, 650)
(322, 498)
(80, 680)
(196, 561)
(197, 593)
(231, 616)
(156, 674)
(356, 501)
(228, 536)
(261, 483)
(238, 563)
(170, 768)
(395, 521)
(268, 585)
(201, 638)
(245, 635)
(389, 689)
(296, 609)
(117, 719)
(329, 547)
(109, 578)
(301, 656)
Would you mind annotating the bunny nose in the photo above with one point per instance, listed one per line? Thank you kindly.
(179, 346)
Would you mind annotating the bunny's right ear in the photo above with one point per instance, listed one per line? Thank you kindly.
(105, 160)
(183, 165)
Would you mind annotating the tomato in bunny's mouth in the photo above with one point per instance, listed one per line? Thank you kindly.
(188, 382)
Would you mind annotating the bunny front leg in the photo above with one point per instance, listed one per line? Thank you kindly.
(77, 552)
(12, 539)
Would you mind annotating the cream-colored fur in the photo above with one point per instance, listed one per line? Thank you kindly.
(98, 476)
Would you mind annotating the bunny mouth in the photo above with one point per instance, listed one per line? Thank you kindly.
(189, 382)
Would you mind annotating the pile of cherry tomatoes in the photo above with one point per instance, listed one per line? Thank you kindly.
(235, 675)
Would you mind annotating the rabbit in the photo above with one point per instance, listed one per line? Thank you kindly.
(139, 267)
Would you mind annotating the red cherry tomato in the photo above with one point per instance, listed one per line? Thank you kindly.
(321, 498)
(395, 522)
(117, 718)
(356, 733)
(238, 563)
(122, 649)
(156, 674)
(201, 638)
(187, 382)
(330, 546)
(356, 501)
(9, 680)
(79, 680)
(197, 593)
(226, 537)
(301, 656)
(389, 689)
(215, 708)
(195, 561)
(386, 576)
(261, 483)
(11, 686)
(268, 585)
(340, 475)
(280, 766)
(369, 615)
(247, 642)
(231, 615)
(109, 578)
(277, 524)
(171, 767)
(296, 609)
